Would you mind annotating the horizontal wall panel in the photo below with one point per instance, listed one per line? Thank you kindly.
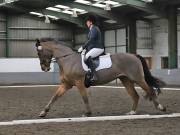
(2, 17)
(22, 49)
(27, 21)
(2, 48)
(25, 48)
(109, 38)
(33, 34)
(24, 29)
(2, 26)
(144, 35)
(80, 38)
(110, 50)
(2, 34)
(121, 36)
(160, 26)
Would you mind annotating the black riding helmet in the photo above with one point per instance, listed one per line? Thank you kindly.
(91, 18)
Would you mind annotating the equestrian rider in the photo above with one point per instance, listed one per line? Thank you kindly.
(93, 46)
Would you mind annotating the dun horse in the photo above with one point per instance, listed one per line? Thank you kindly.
(129, 68)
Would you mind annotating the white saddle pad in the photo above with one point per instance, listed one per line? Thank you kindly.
(105, 62)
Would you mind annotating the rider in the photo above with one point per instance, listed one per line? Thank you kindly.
(94, 46)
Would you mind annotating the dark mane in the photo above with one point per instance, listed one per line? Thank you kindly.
(57, 41)
(46, 39)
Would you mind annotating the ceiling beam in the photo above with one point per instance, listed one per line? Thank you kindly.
(66, 17)
(147, 7)
(91, 9)
(63, 16)
(167, 2)
(101, 12)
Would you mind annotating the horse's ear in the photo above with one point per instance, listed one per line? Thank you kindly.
(38, 45)
(37, 42)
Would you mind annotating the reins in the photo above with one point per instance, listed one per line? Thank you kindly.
(57, 58)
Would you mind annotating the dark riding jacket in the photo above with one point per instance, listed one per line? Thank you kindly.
(94, 39)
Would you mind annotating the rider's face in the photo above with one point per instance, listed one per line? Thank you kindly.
(88, 23)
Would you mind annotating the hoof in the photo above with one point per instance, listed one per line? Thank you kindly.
(161, 108)
(131, 113)
(164, 109)
(42, 114)
(88, 114)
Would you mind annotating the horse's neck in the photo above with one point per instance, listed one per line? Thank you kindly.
(66, 63)
(61, 51)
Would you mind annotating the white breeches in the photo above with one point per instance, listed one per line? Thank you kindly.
(94, 52)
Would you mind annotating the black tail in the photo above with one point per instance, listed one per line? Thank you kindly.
(152, 81)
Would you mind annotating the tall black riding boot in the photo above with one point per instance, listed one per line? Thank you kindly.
(92, 68)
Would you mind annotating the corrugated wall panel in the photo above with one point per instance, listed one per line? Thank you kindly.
(178, 38)
(110, 50)
(23, 30)
(144, 35)
(121, 40)
(121, 49)
(80, 38)
(2, 48)
(109, 39)
(28, 22)
(121, 37)
(2, 30)
(33, 34)
(2, 17)
(2, 25)
(115, 41)
(22, 49)
(160, 26)
(2, 34)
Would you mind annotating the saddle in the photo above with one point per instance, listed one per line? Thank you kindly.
(96, 61)
(101, 62)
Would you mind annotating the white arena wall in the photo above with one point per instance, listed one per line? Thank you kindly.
(22, 71)
(15, 71)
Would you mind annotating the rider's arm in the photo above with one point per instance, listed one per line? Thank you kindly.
(92, 38)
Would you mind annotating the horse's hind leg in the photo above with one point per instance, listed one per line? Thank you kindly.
(152, 95)
(59, 92)
(132, 92)
(83, 92)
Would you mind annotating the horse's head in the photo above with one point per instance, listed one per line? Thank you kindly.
(45, 55)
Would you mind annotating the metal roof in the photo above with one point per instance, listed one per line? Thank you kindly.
(109, 11)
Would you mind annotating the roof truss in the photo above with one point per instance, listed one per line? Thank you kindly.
(144, 6)
(118, 17)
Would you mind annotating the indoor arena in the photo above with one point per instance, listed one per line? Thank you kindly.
(89, 67)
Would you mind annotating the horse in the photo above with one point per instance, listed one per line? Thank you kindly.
(129, 68)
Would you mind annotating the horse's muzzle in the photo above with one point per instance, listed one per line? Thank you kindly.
(45, 68)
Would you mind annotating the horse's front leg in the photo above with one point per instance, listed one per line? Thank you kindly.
(83, 92)
(60, 91)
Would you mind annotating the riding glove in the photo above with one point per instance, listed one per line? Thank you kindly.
(80, 49)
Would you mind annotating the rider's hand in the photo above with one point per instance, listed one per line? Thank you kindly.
(80, 49)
